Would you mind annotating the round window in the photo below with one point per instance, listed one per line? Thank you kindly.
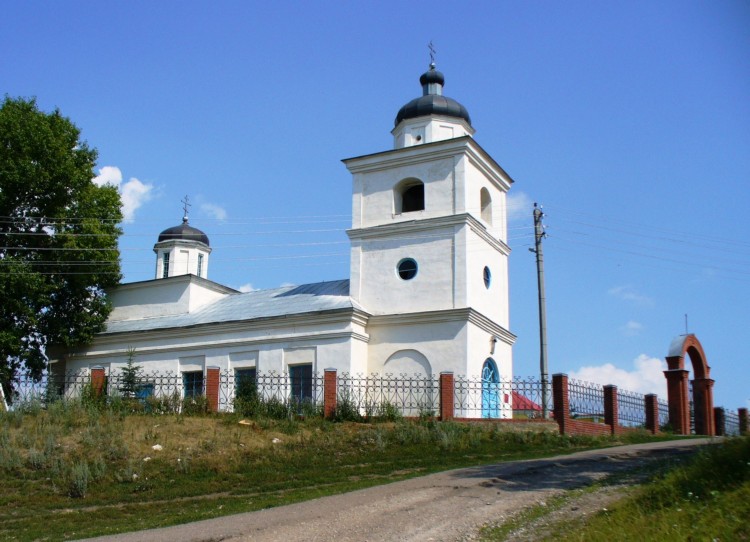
(487, 277)
(407, 269)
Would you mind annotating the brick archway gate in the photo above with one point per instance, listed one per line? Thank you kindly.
(677, 387)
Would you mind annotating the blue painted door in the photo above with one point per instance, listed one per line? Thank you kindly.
(490, 390)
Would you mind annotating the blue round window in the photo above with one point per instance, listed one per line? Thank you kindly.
(487, 277)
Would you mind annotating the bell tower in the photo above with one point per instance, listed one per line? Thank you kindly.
(429, 235)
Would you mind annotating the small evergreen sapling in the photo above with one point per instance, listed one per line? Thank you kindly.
(130, 376)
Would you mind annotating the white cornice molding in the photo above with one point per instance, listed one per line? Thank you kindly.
(397, 229)
(424, 120)
(176, 279)
(335, 316)
(315, 338)
(447, 148)
(480, 229)
(466, 314)
(185, 243)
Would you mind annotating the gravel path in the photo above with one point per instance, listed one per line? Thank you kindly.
(445, 506)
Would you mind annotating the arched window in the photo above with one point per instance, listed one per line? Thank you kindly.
(485, 203)
(408, 196)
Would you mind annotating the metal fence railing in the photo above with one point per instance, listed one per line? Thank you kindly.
(416, 395)
(159, 386)
(302, 391)
(271, 386)
(663, 413)
(48, 387)
(517, 398)
(631, 408)
(586, 400)
(731, 423)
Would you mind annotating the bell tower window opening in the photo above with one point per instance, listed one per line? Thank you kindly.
(485, 203)
(200, 265)
(409, 196)
(165, 265)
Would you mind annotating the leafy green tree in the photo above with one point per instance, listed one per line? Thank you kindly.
(58, 238)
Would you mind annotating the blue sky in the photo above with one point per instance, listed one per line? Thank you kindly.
(628, 121)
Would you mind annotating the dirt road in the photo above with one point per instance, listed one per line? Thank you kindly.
(445, 506)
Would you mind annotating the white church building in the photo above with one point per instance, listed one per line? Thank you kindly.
(427, 290)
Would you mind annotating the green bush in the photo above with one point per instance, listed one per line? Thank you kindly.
(195, 406)
(79, 480)
(388, 412)
(169, 404)
(347, 410)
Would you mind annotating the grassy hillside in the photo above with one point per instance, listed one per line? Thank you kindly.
(79, 469)
(706, 497)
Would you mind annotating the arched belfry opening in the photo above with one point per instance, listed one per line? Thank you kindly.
(485, 203)
(408, 196)
(678, 390)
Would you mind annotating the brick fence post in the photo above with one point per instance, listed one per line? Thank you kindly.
(720, 425)
(447, 400)
(98, 378)
(212, 388)
(330, 381)
(652, 413)
(611, 414)
(679, 402)
(560, 401)
(742, 413)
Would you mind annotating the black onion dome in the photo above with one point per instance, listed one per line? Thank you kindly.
(432, 76)
(184, 232)
(432, 102)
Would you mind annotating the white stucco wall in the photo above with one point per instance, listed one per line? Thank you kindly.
(443, 344)
(183, 258)
(164, 297)
(253, 344)
(493, 302)
(383, 291)
(374, 192)
(423, 130)
(473, 181)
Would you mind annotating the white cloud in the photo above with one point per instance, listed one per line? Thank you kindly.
(134, 193)
(519, 206)
(629, 294)
(631, 328)
(108, 175)
(647, 376)
(246, 288)
(214, 211)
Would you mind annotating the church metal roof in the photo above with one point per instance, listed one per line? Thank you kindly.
(184, 232)
(287, 300)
